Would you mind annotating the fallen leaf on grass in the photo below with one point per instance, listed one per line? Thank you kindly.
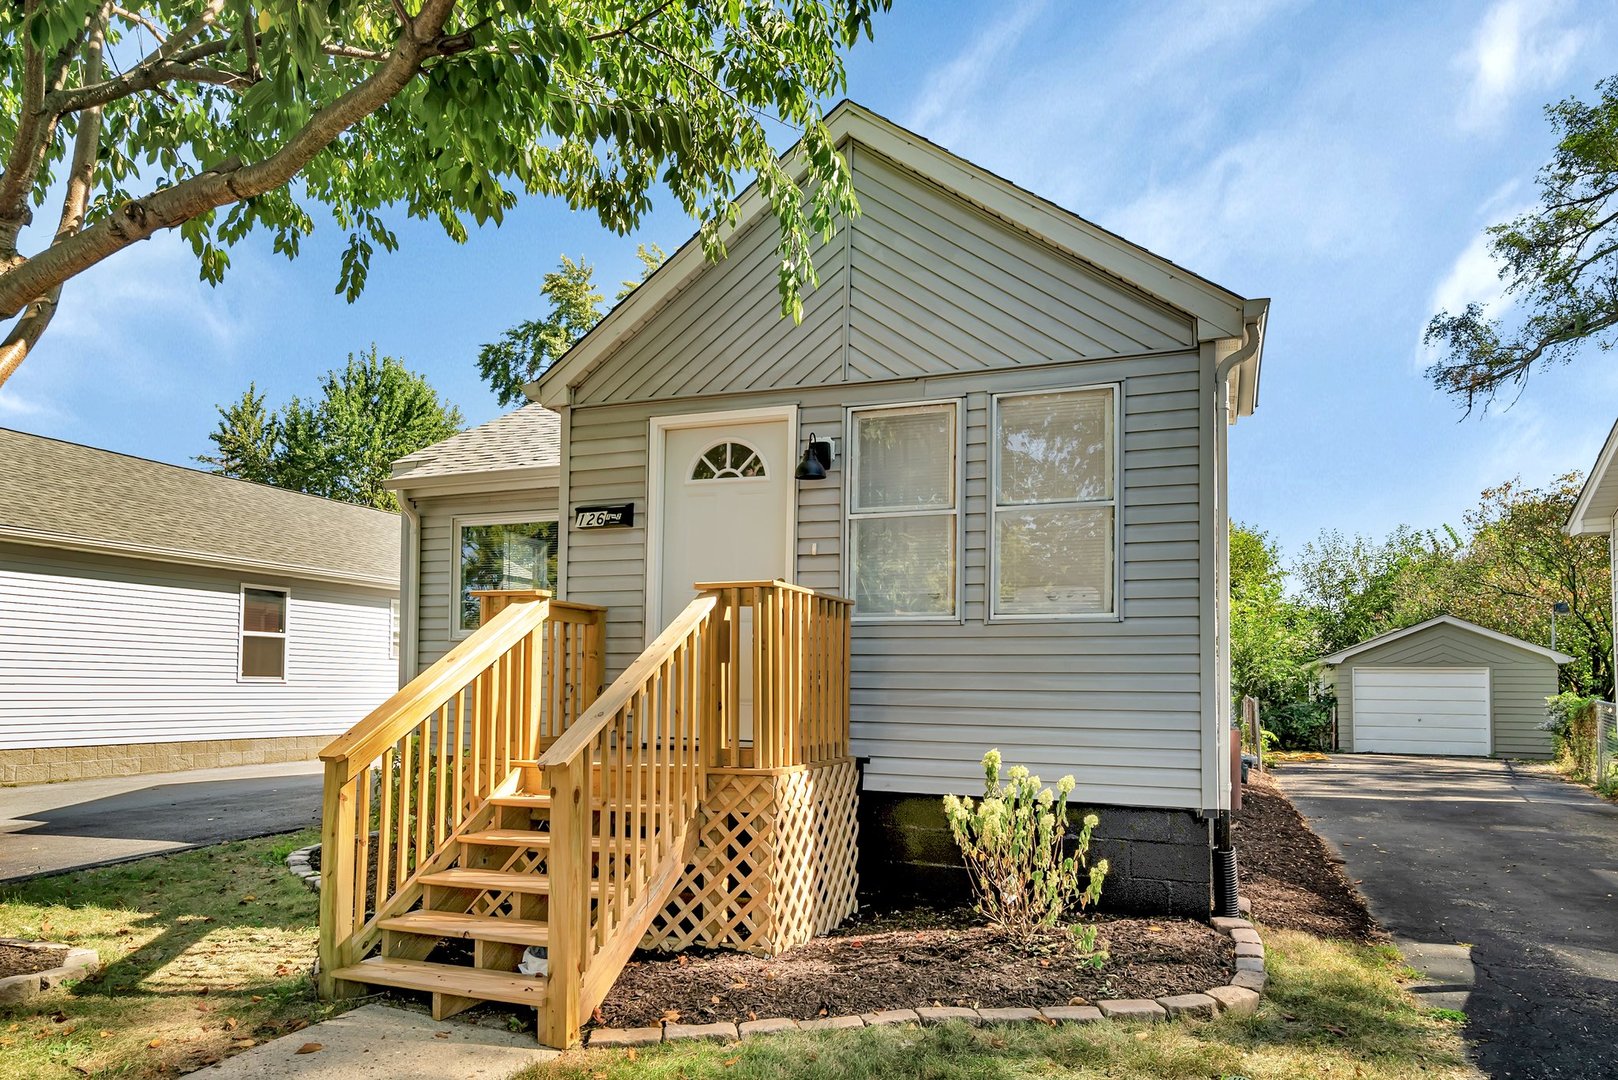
(310, 1048)
(243, 1044)
(154, 1044)
(248, 899)
(1341, 1033)
(106, 1034)
(1143, 1035)
(731, 1061)
(257, 998)
(59, 1017)
(230, 1023)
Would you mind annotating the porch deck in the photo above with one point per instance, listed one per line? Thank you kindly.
(706, 797)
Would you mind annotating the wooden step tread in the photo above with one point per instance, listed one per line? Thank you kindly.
(509, 987)
(537, 802)
(451, 924)
(496, 881)
(516, 838)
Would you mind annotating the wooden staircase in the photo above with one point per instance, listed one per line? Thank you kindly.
(500, 800)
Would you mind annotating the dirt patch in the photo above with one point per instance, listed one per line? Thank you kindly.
(1293, 881)
(29, 959)
(917, 957)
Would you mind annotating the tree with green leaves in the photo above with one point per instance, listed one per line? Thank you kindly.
(1559, 263)
(1274, 643)
(342, 444)
(524, 352)
(197, 115)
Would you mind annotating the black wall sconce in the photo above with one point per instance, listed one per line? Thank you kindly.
(817, 458)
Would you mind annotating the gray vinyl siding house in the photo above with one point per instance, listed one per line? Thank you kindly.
(1596, 513)
(155, 618)
(1515, 676)
(953, 307)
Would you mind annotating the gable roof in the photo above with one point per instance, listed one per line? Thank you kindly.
(1448, 620)
(522, 445)
(65, 495)
(1598, 499)
(1217, 312)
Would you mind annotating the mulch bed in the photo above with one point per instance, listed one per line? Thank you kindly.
(1293, 880)
(905, 959)
(15, 960)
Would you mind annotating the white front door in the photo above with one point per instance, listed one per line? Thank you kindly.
(725, 508)
(1411, 710)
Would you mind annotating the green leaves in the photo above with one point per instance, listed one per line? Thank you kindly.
(1559, 264)
(342, 444)
(593, 101)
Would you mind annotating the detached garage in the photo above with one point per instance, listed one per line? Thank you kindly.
(1445, 686)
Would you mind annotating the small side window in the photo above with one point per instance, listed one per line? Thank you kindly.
(393, 629)
(263, 633)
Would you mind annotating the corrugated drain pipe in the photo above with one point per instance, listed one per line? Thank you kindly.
(1227, 887)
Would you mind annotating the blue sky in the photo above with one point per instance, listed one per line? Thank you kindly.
(1341, 159)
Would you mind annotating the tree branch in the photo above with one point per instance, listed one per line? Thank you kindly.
(138, 219)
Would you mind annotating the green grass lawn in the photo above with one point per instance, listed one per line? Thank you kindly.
(1333, 1010)
(208, 950)
(202, 951)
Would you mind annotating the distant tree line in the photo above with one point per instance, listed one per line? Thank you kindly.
(1505, 569)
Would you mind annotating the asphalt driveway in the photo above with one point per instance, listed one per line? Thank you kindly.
(1498, 883)
(50, 828)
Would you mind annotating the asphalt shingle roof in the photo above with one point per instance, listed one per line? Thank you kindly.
(530, 437)
(83, 497)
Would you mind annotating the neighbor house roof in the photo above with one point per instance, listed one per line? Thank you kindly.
(1598, 501)
(1217, 312)
(1449, 620)
(64, 495)
(525, 445)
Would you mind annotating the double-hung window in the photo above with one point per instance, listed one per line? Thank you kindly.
(1055, 503)
(263, 631)
(500, 554)
(903, 513)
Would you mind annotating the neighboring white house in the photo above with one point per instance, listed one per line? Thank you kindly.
(1023, 420)
(154, 617)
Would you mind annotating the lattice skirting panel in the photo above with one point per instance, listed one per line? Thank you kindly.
(775, 862)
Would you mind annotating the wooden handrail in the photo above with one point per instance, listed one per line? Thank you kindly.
(774, 583)
(420, 768)
(616, 696)
(391, 719)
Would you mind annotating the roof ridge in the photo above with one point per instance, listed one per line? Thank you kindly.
(198, 472)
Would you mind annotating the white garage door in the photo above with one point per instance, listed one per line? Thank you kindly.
(1402, 710)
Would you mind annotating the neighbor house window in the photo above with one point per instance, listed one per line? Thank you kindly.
(263, 633)
(1055, 503)
(393, 629)
(903, 511)
(500, 555)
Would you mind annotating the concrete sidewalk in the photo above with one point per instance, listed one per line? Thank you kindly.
(51, 828)
(385, 1042)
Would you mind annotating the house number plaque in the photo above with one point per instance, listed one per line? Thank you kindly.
(617, 516)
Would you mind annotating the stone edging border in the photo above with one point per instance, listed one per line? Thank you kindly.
(298, 863)
(77, 964)
(1239, 997)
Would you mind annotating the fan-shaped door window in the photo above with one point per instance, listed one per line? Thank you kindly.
(728, 461)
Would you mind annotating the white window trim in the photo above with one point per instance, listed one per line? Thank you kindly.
(242, 633)
(395, 628)
(1116, 503)
(958, 510)
(455, 525)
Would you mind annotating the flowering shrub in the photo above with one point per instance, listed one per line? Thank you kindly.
(1014, 841)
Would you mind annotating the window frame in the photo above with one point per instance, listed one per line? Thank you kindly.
(395, 628)
(460, 521)
(242, 633)
(957, 509)
(1115, 503)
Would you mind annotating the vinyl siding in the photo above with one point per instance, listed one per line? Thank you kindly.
(1118, 703)
(1520, 682)
(436, 566)
(921, 283)
(97, 649)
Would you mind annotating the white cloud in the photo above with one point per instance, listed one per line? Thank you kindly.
(1520, 46)
(952, 86)
(15, 406)
(1473, 278)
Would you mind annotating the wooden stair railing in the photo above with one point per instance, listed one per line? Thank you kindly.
(625, 785)
(421, 768)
